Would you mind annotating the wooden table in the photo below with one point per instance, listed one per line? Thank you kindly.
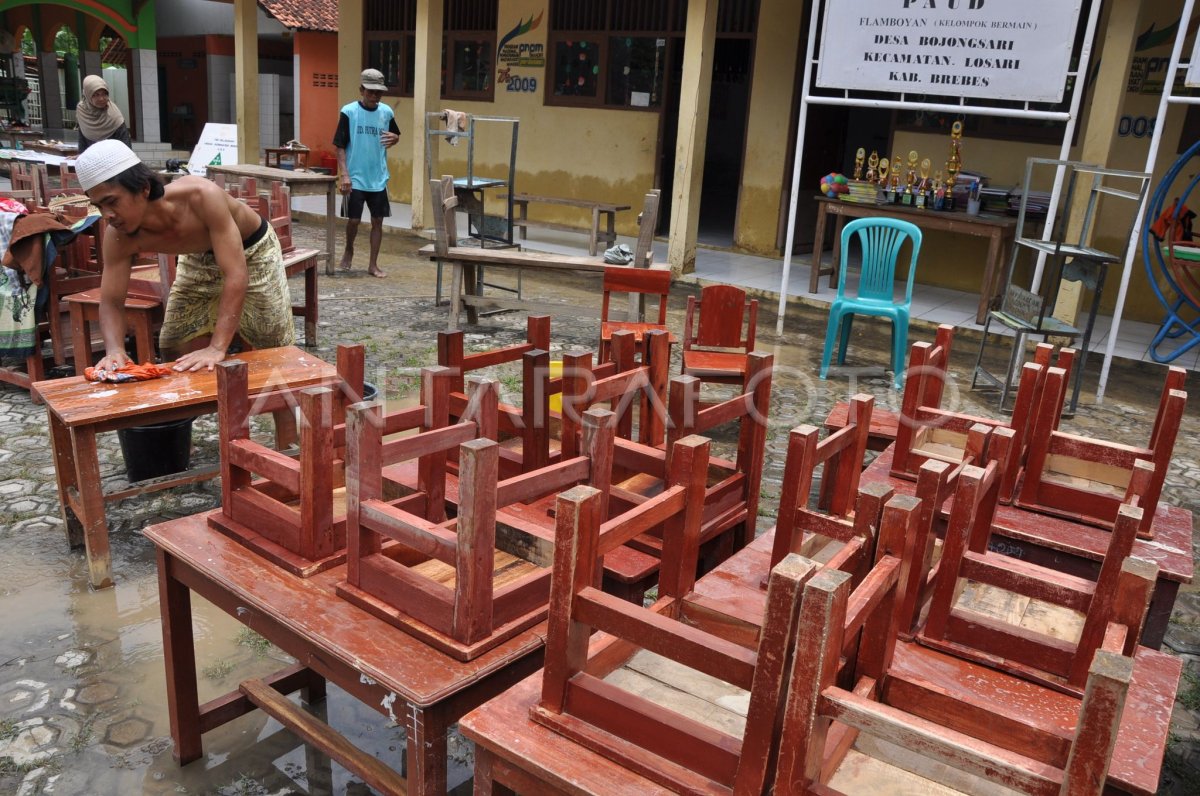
(999, 230)
(380, 665)
(61, 149)
(1077, 549)
(465, 290)
(300, 183)
(78, 410)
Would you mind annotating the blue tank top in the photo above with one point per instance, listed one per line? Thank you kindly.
(366, 159)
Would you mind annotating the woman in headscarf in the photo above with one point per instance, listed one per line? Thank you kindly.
(98, 117)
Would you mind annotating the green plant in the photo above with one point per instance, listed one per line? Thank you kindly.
(1189, 694)
(218, 670)
(8, 729)
(248, 638)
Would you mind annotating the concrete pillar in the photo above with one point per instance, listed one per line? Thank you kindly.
(700, 44)
(426, 97)
(245, 59)
(143, 88)
(350, 48)
(52, 115)
(90, 62)
(1100, 132)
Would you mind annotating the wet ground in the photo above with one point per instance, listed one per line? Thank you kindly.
(82, 692)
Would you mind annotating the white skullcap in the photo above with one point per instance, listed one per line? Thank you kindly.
(102, 161)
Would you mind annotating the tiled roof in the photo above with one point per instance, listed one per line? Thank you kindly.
(303, 14)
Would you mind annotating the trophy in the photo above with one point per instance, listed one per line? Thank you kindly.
(884, 167)
(872, 165)
(895, 189)
(910, 177)
(922, 191)
(939, 192)
(954, 164)
(858, 162)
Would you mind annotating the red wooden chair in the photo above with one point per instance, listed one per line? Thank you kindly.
(462, 585)
(294, 513)
(636, 282)
(275, 205)
(592, 689)
(715, 321)
(1088, 479)
(145, 302)
(828, 708)
(525, 430)
(926, 431)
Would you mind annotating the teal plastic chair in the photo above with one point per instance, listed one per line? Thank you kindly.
(881, 240)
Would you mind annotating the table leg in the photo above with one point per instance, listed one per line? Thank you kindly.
(1162, 604)
(836, 266)
(611, 226)
(456, 287)
(311, 308)
(179, 657)
(81, 343)
(595, 231)
(64, 473)
(330, 238)
(473, 276)
(485, 782)
(814, 277)
(426, 752)
(91, 508)
(991, 273)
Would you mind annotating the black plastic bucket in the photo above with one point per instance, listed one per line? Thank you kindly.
(157, 450)
(370, 391)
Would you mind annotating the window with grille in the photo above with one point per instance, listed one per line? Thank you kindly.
(614, 52)
(389, 42)
(469, 56)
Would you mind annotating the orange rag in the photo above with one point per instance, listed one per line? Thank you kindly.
(131, 372)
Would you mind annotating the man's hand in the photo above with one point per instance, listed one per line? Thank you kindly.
(388, 139)
(344, 183)
(113, 361)
(203, 359)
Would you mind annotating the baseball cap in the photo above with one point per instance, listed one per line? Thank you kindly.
(102, 161)
(372, 79)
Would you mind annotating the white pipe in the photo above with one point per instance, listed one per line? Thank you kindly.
(796, 157)
(1064, 153)
(1151, 158)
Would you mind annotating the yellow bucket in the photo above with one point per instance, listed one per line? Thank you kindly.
(556, 372)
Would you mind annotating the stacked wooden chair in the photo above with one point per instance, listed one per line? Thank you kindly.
(462, 585)
(926, 431)
(294, 513)
(1088, 480)
(525, 431)
(715, 342)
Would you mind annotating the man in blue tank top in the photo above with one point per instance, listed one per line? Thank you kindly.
(366, 129)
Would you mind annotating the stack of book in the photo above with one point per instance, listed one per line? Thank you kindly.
(861, 191)
(995, 200)
(1037, 206)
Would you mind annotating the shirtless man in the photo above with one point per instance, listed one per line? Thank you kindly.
(229, 278)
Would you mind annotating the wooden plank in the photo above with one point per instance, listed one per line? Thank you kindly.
(313, 731)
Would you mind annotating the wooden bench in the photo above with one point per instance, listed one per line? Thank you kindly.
(595, 234)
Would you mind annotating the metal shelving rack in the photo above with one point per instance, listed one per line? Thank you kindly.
(1069, 257)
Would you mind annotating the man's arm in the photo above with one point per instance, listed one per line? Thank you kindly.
(114, 283)
(392, 135)
(341, 140)
(213, 209)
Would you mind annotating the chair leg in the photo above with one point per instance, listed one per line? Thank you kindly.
(899, 346)
(847, 322)
(831, 332)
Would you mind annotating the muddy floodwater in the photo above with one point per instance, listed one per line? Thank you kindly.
(82, 690)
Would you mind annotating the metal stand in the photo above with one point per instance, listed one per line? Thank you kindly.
(1070, 258)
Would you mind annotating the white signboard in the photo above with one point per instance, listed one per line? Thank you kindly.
(217, 147)
(991, 49)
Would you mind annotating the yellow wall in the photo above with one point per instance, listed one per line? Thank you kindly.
(601, 154)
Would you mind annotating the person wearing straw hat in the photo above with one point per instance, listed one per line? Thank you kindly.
(366, 129)
(229, 278)
(97, 116)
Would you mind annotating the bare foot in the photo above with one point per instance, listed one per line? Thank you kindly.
(347, 260)
(376, 272)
